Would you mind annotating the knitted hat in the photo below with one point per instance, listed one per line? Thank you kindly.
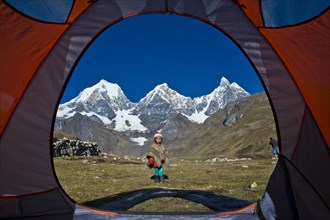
(158, 134)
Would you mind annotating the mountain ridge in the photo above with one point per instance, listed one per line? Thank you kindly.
(127, 128)
(106, 100)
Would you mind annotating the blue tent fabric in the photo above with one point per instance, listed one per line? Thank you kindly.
(283, 12)
(44, 10)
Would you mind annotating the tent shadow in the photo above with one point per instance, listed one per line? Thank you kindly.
(127, 200)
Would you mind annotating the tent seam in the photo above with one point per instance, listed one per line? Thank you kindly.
(300, 130)
(306, 180)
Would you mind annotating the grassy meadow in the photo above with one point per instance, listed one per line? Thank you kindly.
(90, 178)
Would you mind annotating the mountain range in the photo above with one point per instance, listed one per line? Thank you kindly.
(102, 113)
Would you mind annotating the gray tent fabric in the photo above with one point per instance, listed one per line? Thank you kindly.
(290, 196)
(125, 201)
(310, 136)
(295, 187)
(50, 205)
(299, 186)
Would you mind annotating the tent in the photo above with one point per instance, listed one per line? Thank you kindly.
(290, 55)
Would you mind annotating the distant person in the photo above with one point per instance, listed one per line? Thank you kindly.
(274, 145)
(157, 157)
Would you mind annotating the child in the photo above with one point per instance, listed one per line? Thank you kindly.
(157, 157)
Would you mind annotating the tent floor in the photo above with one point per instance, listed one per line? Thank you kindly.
(117, 205)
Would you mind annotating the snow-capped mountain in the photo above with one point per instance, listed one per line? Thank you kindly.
(102, 99)
(105, 103)
(159, 104)
(218, 99)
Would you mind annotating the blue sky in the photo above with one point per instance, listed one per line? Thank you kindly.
(141, 52)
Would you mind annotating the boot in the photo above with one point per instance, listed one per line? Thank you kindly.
(162, 179)
(156, 179)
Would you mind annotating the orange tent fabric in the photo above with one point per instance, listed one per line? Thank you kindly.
(305, 50)
(37, 59)
(24, 53)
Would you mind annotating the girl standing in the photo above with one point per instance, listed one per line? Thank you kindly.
(157, 157)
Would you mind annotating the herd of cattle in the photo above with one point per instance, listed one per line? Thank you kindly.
(66, 147)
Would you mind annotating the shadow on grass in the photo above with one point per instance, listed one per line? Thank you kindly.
(127, 200)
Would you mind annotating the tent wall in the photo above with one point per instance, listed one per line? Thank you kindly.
(317, 162)
(50, 205)
(28, 42)
(47, 55)
(32, 41)
(309, 64)
(290, 196)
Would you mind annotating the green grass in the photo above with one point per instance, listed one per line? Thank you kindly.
(98, 178)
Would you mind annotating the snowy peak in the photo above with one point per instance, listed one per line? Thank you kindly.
(226, 87)
(224, 82)
(101, 90)
(162, 86)
(162, 90)
(112, 89)
(163, 93)
(208, 104)
(101, 100)
(105, 89)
